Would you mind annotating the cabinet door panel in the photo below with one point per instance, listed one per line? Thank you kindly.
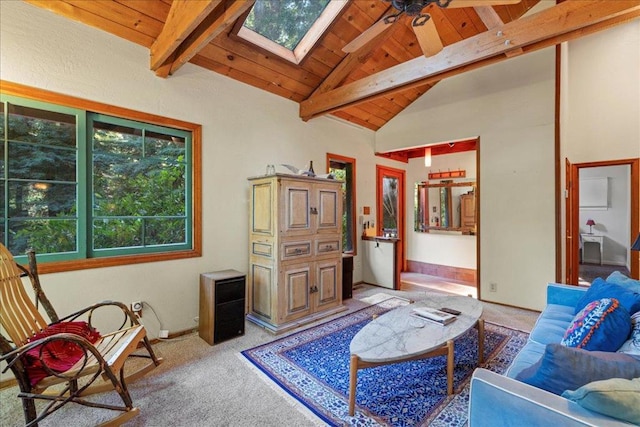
(297, 200)
(264, 249)
(297, 284)
(262, 212)
(261, 284)
(328, 210)
(327, 281)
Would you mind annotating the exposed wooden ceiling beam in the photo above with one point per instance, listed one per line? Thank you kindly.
(492, 20)
(184, 17)
(353, 61)
(546, 28)
(191, 25)
(86, 17)
(489, 16)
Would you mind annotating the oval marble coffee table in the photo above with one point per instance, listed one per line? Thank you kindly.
(397, 336)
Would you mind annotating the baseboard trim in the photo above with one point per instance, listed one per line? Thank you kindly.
(465, 276)
(174, 335)
(8, 383)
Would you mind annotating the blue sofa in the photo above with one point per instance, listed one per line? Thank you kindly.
(502, 400)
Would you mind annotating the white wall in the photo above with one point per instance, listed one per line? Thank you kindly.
(510, 106)
(600, 101)
(244, 129)
(613, 221)
(433, 248)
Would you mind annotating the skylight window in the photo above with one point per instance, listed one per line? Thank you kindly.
(289, 28)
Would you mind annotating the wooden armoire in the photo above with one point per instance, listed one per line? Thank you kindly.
(295, 257)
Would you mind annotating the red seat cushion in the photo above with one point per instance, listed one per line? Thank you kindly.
(57, 355)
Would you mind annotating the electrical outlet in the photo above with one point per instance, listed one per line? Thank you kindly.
(163, 333)
(136, 306)
(493, 287)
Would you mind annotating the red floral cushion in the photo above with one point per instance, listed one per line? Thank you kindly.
(57, 355)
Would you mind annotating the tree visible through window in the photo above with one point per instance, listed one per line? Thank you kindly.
(289, 28)
(138, 186)
(284, 22)
(39, 185)
(389, 205)
(344, 169)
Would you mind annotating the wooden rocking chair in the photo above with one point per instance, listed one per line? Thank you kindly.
(33, 341)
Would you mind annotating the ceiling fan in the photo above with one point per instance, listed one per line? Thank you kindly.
(422, 24)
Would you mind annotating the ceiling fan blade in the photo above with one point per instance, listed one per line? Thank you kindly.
(474, 3)
(427, 35)
(369, 34)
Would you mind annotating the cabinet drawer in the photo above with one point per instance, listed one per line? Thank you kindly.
(327, 246)
(594, 239)
(292, 250)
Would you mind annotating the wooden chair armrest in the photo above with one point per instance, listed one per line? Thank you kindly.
(128, 315)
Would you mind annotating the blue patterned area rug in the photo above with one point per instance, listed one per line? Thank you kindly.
(313, 367)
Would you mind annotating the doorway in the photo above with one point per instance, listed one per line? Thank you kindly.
(390, 202)
(443, 258)
(602, 219)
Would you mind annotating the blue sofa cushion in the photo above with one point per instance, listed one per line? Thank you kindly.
(600, 289)
(566, 368)
(602, 325)
(616, 397)
(530, 354)
(552, 324)
(626, 282)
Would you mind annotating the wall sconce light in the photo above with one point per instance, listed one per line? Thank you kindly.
(636, 244)
(427, 157)
(590, 223)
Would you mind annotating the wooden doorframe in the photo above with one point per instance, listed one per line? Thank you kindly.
(400, 174)
(572, 213)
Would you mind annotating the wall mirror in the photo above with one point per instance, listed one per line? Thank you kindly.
(446, 206)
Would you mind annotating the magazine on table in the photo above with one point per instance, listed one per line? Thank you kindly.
(434, 315)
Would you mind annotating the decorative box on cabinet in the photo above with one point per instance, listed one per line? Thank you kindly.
(222, 305)
(295, 258)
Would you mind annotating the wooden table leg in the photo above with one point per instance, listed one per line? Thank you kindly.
(480, 341)
(353, 383)
(450, 365)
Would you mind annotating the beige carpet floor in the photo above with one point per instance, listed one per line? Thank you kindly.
(203, 385)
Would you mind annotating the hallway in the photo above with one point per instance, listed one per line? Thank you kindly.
(417, 281)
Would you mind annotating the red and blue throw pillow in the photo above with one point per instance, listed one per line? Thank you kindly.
(602, 324)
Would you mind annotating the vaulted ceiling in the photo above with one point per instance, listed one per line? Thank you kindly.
(367, 87)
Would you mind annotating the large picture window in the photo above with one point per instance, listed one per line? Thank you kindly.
(79, 185)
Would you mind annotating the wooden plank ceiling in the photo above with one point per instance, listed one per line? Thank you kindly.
(360, 87)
